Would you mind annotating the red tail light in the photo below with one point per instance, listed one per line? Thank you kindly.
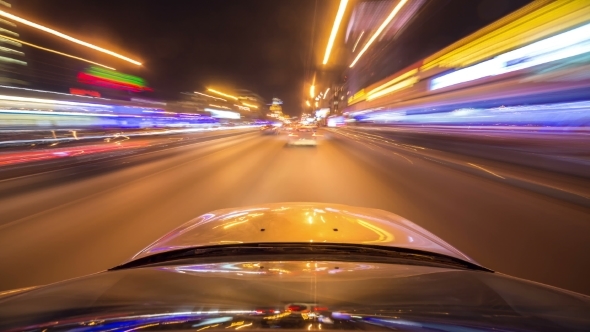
(297, 308)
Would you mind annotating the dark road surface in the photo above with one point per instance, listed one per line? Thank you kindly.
(76, 221)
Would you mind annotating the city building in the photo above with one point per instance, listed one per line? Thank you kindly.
(12, 56)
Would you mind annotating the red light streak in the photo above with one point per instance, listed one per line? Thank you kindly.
(111, 84)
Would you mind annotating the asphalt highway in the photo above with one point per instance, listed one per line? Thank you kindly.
(529, 222)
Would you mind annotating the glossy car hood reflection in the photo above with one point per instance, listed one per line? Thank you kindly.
(295, 295)
(302, 222)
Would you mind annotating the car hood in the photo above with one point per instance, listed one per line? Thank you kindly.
(302, 223)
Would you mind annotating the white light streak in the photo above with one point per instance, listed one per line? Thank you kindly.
(357, 41)
(564, 45)
(487, 171)
(49, 101)
(206, 95)
(223, 94)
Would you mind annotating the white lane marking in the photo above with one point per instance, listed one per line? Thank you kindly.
(488, 171)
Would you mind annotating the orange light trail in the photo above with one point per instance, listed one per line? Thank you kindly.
(66, 37)
(335, 27)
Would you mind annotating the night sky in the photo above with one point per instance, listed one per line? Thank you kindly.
(187, 45)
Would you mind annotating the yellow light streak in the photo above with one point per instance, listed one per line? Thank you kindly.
(339, 15)
(312, 91)
(206, 95)
(487, 171)
(249, 105)
(394, 80)
(234, 223)
(326, 93)
(207, 327)
(223, 94)
(57, 52)
(378, 32)
(239, 327)
(224, 107)
(235, 324)
(307, 103)
(403, 84)
(64, 36)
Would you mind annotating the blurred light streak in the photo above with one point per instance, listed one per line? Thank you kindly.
(2, 30)
(312, 91)
(49, 101)
(35, 112)
(9, 50)
(307, 103)
(326, 93)
(401, 85)
(564, 45)
(337, 20)
(242, 108)
(223, 94)
(379, 30)
(223, 114)
(115, 76)
(393, 81)
(206, 95)
(11, 60)
(44, 91)
(487, 171)
(7, 23)
(10, 41)
(137, 134)
(33, 156)
(533, 22)
(357, 41)
(527, 117)
(57, 52)
(223, 107)
(110, 83)
(249, 105)
(64, 36)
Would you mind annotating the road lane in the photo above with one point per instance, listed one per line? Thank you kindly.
(97, 220)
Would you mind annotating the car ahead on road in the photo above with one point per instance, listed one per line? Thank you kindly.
(297, 266)
(269, 130)
(303, 136)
